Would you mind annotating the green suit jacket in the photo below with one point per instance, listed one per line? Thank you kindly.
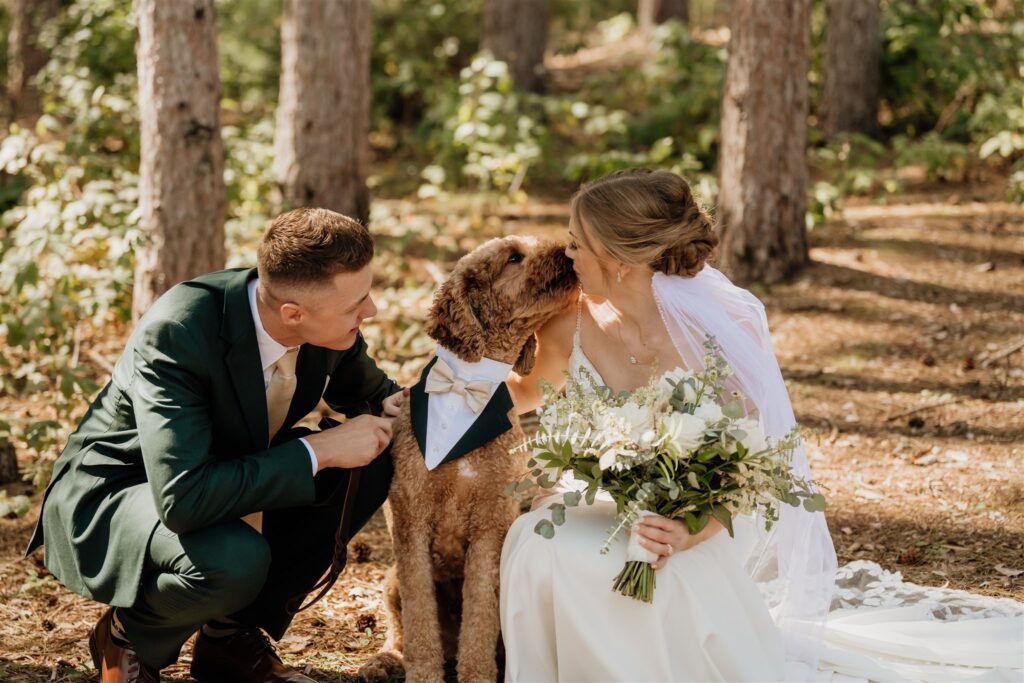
(179, 436)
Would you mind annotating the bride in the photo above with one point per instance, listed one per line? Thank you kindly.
(747, 608)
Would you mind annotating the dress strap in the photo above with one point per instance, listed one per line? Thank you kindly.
(579, 317)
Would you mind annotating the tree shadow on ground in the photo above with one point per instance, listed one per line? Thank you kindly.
(925, 251)
(915, 542)
(970, 389)
(909, 290)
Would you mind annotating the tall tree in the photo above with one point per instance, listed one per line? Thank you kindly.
(516, 32)
(651, 12)
(182, 194)
(851, 73)
(24, 56)
(763, 195)
(323, 111)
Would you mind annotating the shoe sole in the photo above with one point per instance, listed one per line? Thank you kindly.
(94, 651)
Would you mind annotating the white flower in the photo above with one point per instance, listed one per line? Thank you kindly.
(754, 441)
(709, 411)
(637, 418)
(668, 382)
(609, 457)
(685, 431)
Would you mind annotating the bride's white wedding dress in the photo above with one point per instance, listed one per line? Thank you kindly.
(561, 620)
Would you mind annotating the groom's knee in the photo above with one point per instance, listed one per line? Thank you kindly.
(231, 562)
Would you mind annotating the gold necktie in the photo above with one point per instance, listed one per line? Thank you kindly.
(279, 399)
(441, 379)
(280, 391)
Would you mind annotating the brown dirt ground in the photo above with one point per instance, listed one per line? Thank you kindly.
(897, 343)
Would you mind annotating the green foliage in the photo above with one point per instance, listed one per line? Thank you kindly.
(14, 506)
(69, 195)
(249, 50)
(662, 112)
(489, 134)
(418, 51)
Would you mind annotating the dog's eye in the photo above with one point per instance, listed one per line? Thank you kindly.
(515, 257)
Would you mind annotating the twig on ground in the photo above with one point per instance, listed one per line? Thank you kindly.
(1006, 352)
(922, 408)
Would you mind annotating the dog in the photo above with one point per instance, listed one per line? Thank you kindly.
(447, 512)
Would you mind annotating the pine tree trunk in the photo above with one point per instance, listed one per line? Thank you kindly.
(181, 184)
(851, 67)
(651, 12)
(24, 56)
(8, 464)
(763, 196)
(516, 32)
(323, 112)
(673, 9)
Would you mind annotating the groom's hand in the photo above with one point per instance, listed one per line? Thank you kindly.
(354, 443)
(392, 406)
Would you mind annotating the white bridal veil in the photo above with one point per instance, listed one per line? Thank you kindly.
(795, 563)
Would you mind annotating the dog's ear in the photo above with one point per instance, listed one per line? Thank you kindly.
(527, 356)
(452, 323)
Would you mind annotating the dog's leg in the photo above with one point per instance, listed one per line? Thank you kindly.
(387, 663)
(478, 638)
(421, 631)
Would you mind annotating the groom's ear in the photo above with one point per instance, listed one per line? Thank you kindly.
(291, 313)
(453, 323)
(527, 356)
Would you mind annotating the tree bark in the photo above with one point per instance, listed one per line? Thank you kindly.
(763, 196)
(516, 32)
(24, 56)
(851, 74)
(181, 184)
(323, 112)
(8, 464)
(651, 12)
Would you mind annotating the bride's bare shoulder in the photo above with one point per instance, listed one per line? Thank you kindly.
(557, 333)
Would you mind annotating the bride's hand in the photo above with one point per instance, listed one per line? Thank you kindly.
(665, 537)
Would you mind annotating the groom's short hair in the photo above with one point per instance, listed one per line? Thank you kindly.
(307, 246)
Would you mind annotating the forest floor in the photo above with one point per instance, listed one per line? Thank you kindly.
(902, 347)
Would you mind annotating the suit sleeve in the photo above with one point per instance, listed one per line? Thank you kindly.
(357, 385)
(192, 488)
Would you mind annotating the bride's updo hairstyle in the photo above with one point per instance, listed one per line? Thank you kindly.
(645, 217)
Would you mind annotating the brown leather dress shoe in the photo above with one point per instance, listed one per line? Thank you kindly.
(246, 656)
(114, 663)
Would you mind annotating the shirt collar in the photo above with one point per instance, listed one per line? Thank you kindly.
(270, 349)
(484, 369)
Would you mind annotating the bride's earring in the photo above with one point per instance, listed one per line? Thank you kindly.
(618, 276)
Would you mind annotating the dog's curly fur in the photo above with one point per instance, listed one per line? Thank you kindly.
(448, 525)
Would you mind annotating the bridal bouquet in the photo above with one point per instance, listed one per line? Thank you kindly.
(678, 447)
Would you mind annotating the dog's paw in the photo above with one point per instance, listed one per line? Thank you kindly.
(382, 667)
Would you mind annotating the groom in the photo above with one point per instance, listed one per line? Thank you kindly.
(195, 432)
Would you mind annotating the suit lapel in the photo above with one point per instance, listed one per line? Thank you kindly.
(418, 407)
(243, 357)
(491, 423)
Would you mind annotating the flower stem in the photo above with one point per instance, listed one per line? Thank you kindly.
(636, 580)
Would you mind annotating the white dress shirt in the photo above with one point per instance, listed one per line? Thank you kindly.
(448, 415)
(271, 352)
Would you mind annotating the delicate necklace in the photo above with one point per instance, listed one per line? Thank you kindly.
(632, 359)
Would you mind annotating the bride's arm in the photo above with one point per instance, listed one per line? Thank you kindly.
(554, 344)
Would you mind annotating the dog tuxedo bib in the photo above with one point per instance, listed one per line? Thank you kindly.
(457, 406)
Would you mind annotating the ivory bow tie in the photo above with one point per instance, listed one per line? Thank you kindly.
(441, 379)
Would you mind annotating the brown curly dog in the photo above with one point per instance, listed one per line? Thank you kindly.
(448, 524)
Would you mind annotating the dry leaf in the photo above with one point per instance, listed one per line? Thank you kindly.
(1007, 571)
